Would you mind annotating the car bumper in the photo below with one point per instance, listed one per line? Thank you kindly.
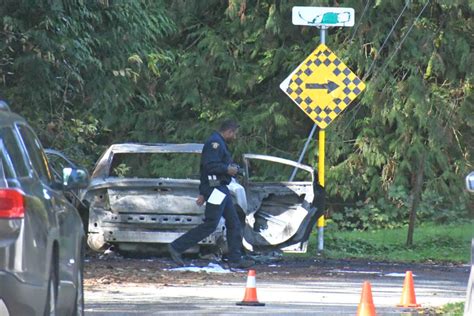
(19, 298)
(136, 236)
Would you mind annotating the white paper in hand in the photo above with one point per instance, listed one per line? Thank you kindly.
(216, 197)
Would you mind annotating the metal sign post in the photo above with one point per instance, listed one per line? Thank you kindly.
(322, 85)
(321, 159)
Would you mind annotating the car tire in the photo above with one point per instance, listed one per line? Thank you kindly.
(79, 302)
(52, 295)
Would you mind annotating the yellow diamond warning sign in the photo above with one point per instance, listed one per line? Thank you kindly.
(322, 86)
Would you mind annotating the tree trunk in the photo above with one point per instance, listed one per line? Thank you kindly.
(415, 196)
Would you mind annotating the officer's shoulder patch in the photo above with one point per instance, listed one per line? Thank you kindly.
(215, 145)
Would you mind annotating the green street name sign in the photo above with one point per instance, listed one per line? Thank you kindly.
(323, 16)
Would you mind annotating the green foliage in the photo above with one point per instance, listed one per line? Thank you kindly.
(433, 242)
(156, 165)
(121, 170)
(91, 73)
(413, 110)
(454, 309)
(370, 216)
(74, 67)
(391, 212)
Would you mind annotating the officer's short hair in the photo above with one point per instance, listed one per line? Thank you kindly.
(229, 125)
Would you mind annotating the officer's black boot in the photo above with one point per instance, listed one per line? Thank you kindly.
(175, 255)
(242, 263)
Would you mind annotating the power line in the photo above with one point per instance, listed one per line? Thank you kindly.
(360, 20)
(358, 106)
(385, 41)
(404, 38)
(373, 62)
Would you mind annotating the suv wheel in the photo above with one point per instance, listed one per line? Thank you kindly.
(79, 304)
(51, 298)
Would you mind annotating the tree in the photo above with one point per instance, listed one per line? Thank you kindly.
(74, 68)
(168, 71)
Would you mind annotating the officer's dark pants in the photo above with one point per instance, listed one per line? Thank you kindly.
(213, 214)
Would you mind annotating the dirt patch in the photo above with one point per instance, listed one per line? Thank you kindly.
(116, 270)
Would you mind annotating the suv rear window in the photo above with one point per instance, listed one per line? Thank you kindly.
(14, 152)
(5, 171)
(36, 153)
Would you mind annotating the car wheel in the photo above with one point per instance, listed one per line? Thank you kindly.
(79, 304)
(52, 295)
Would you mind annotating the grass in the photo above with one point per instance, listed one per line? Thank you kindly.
(431, 243)
(451, 309)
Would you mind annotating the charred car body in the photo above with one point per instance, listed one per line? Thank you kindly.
(138, 197)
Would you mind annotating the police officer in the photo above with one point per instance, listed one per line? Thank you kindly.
(217, 170)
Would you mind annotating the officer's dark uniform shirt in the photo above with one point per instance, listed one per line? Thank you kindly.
(215, 159)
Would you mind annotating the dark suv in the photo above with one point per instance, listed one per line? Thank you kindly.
(41, 234)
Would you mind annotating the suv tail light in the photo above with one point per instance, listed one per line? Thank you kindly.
(12, 204)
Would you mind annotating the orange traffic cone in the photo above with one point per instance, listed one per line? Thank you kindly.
(366, 306)
(408, 295)
(250, 297)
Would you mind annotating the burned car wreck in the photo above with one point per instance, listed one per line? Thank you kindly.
(142, 197)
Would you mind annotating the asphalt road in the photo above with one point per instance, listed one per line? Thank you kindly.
(334, 290)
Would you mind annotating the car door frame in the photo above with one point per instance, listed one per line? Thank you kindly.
(299, 240)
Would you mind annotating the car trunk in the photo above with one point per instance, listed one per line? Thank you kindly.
(158, 197)
(156, 204)
(145, 210)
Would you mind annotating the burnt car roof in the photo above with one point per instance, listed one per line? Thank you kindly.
(101, 168)
(155, 147)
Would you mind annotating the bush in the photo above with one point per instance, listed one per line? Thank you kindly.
(392, 212)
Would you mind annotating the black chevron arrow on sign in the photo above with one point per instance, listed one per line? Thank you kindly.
(330, 86)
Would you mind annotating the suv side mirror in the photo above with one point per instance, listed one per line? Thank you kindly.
(470, 182)
(75, 178)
